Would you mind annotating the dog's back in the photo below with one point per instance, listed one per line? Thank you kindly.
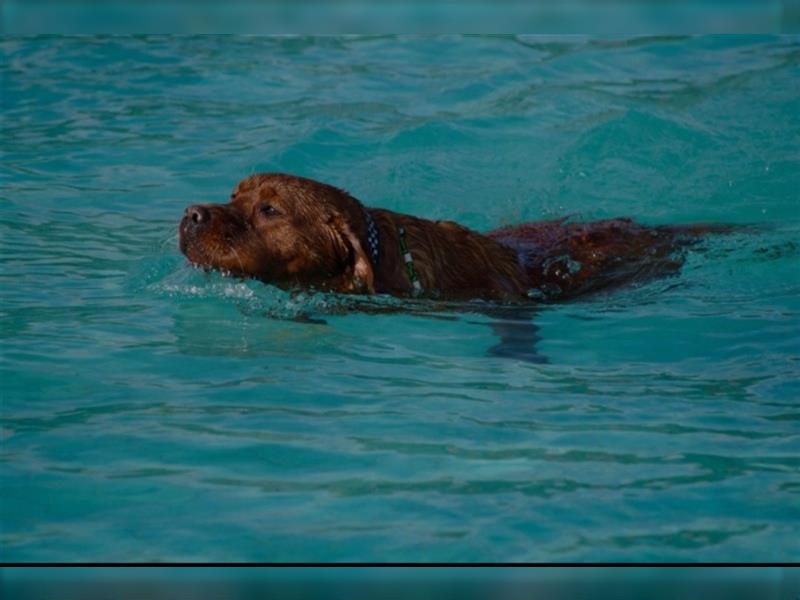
(564, 259)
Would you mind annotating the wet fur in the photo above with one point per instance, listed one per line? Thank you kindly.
(316, 237)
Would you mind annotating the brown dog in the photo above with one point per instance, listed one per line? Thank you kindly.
(298, 233)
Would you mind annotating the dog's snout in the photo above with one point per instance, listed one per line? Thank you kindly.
(197, 214)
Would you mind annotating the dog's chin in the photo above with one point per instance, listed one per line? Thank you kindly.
(225, 272)
(203, 263)
(198, 259)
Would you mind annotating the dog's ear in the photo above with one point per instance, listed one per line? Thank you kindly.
(359, 278)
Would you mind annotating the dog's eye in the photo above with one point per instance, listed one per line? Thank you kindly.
(268, 210)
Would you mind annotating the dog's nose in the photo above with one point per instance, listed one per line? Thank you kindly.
(197, 214)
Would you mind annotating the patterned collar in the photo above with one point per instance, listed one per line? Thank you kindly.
(409, 260)
(372, 239)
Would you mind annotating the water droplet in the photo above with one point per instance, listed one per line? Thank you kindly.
(573, 266)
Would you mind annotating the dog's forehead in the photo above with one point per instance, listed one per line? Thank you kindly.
(252, 190)
(275, 191)
(248, 184)
(270, 184)
(299, 195)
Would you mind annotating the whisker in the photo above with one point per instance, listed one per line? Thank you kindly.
(172, 239)
(236, 254)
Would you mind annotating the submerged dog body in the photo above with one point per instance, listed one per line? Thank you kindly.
(299, 233)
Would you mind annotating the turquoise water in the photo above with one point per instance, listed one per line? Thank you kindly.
(152, 412)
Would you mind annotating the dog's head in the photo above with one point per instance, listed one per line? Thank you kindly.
(285, 230)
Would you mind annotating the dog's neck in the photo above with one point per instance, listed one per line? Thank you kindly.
(449, 260)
